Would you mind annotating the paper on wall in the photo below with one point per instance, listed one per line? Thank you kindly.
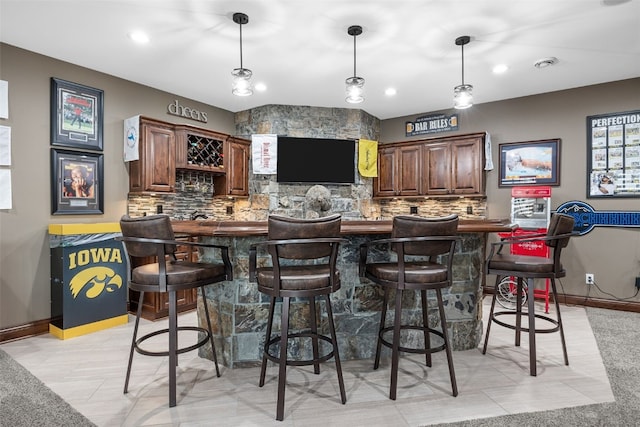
(4, 99)
(5, 188)
(5, 146)
(264, 152)
(131, 138)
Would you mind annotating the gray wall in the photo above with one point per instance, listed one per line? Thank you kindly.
(612, 254)
(24, 242)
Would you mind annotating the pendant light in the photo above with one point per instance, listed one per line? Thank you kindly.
(241, 76)
(355, 89)
(462, 94)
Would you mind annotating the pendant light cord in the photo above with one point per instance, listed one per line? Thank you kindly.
(354, 56)
(241, 47)
(462, 46)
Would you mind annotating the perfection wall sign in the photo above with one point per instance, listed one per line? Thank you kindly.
(586, 218)
(434, 123)
(613, 155)
(175, 109)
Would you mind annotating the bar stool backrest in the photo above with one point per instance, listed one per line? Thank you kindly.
(286, 228)
(559, 224)
(415, 226)
(149, 227)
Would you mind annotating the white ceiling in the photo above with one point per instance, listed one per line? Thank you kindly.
(301, 50)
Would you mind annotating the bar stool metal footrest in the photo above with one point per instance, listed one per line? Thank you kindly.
(200, 343)
(305, 362)
(556, 328)
(410, 349)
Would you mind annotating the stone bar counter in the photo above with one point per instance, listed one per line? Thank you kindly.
(240, 312)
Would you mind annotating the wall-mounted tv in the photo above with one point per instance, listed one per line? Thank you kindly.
(316, 160)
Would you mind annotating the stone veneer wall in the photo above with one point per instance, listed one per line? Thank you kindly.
(267, 196)
(240, 312)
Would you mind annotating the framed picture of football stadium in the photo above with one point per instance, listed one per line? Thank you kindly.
(76, 115)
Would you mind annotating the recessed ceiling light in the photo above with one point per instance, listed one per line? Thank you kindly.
(260, 87)
(390, 91)
(139, 37)
(500, 69)
(545, 62)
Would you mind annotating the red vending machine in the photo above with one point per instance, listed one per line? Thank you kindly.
(531, 210)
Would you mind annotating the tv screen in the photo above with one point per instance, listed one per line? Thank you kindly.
(317, 160)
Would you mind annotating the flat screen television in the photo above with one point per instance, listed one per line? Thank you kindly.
(316, 160)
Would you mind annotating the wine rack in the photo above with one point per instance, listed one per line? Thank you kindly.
(205, 152)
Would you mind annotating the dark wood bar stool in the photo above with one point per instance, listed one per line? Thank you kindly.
(152, 236)
(528, 268)
(418, 243)
(303, 265)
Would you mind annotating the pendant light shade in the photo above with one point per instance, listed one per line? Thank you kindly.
(241, 76)
(463, 93)
(355, 85)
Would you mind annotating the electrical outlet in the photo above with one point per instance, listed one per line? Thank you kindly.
(589, 279)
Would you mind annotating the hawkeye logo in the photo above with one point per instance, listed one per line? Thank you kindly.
(95, 280)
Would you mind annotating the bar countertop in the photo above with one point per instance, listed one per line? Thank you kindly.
(349, 227)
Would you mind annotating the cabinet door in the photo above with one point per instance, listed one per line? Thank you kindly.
(466, 166)
(237, 166)
(235, 181)
(409, 170)
(385, 183)
(155, 170)
(160, 148)
(437, 176)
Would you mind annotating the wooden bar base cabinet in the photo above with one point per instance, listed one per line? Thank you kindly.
(155, 305)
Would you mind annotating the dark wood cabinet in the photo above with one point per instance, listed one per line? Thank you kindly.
(409, 170)
(467, 166)
(449, 166)
(165, 148)
(235, 181)
(156, 305)
(399, 172)
(437, 160)
(384, 185)
(155, 170)
(200, 149)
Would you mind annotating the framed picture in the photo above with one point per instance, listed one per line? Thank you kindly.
(76, 115)
(613, 155)
(76, 182)
(530, 163)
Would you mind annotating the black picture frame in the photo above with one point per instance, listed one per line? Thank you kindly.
(613, 155)
(76, 182)
(530, 163)
(77, 113)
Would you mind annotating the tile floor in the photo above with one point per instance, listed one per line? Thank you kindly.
(88, 372)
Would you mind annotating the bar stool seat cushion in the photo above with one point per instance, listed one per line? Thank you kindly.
(522, 263)
(414, 272)
(178, 273)
(300, 277)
